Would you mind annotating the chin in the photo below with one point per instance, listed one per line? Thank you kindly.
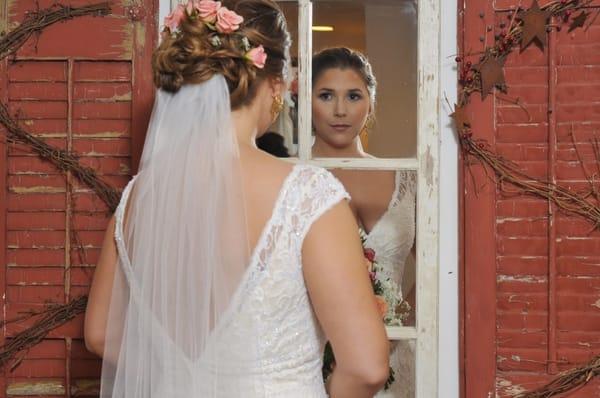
(340, 141)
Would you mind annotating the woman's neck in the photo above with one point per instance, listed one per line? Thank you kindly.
(244, 123)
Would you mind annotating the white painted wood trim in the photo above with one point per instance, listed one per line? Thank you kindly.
(448, 360)
(428, 153)
(362, 164)
(401, 333)
(304, 79)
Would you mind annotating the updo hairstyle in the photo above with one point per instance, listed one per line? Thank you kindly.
(190, 56)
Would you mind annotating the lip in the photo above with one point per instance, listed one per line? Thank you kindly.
(340, 126)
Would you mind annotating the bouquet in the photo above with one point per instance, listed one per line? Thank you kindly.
(393, 308)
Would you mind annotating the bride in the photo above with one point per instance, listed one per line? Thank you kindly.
(224, 270)
(383, 202)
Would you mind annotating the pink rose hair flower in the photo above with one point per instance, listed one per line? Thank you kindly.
(173, 20)
(257, 56)
(208, 9)
(228, 21)
(217, 18)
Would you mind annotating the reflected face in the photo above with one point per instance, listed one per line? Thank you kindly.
(340, 107)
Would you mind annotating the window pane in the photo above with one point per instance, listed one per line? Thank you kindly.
(384, 204)
(386, 32)
(402, 362)
(282, 137)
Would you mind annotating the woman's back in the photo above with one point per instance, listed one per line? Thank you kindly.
(268, 342)
(206, 293)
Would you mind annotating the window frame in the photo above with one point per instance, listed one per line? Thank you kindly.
(426, 165)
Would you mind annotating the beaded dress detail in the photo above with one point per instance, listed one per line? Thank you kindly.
(268, 342)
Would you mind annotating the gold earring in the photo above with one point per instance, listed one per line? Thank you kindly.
(276, 106)
(370, 122)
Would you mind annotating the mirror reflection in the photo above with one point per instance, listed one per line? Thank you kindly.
(385, 33)
(343, 103)
(364, 106)
(402, 361)
(281, 138)
(384, 204)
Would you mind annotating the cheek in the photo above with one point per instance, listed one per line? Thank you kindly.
(360, 112)
(319, 112)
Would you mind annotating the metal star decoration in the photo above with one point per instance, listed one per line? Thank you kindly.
(491, 72)
(535, 21)
(460, 118)
(579, 21)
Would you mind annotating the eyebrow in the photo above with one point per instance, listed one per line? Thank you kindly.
(352, 90)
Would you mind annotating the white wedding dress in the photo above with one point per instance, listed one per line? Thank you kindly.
(268, 342)
(392, 238)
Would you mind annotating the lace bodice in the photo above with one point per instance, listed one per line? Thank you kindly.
(393, 235)
(269, 342)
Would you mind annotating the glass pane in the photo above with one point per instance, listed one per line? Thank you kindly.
(282, 137)
(402, 362)
(385, 31)
(384, 204)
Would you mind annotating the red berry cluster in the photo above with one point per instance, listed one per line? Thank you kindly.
(466, 71)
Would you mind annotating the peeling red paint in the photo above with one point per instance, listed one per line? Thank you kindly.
(82, 85)
(545, 305)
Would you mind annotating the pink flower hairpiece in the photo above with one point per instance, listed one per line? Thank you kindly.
(217, 18)
(212, 13)
(173, 20)
(257, 56)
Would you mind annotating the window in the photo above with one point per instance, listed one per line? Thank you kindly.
(401, 39)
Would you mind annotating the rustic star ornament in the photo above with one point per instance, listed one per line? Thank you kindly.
(579, 21)
(491, 71)
(461, 120)
(535, 21)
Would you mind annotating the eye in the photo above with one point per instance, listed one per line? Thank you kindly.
(325, 96)
(355, 96)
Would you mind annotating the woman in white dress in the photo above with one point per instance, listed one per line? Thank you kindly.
(225, 270)
(383, 202)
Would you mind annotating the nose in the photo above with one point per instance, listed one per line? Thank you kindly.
(340, 108)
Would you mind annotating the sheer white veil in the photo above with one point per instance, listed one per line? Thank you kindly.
(183, 251)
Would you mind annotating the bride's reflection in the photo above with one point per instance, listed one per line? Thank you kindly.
(383, 202)
(343, 102)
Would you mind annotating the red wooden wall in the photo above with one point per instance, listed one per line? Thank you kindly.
(531, 275)
(83, 85)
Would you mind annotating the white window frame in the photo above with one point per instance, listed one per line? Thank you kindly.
(427, 166)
